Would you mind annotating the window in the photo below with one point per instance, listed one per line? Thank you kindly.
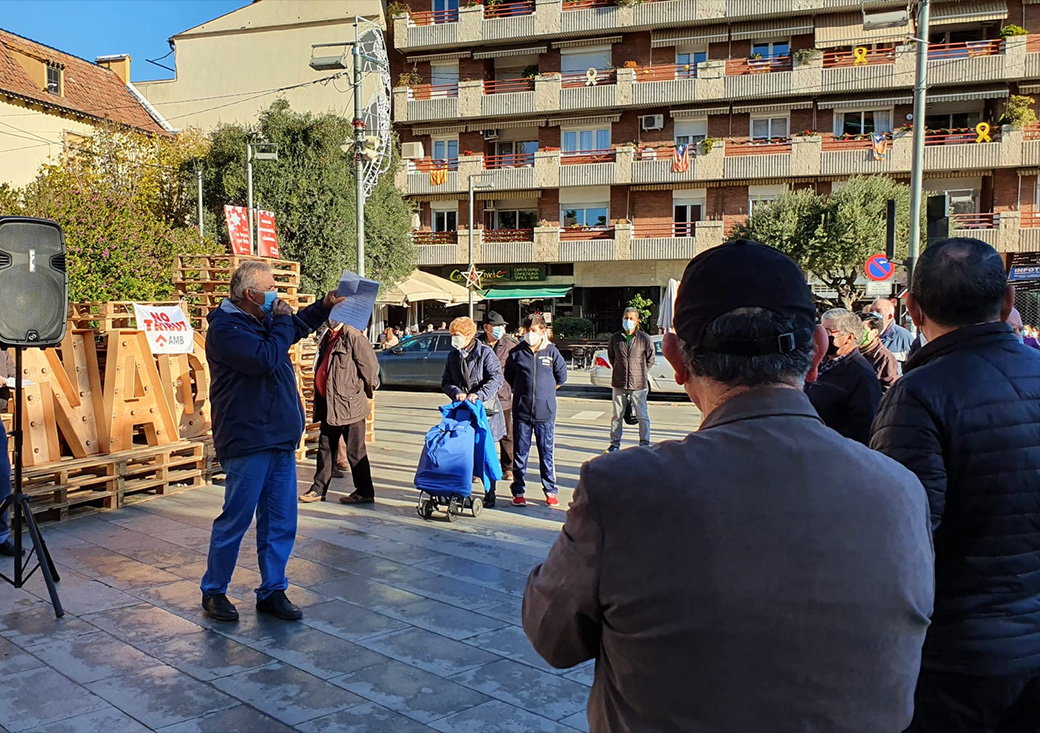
(443, 344)
(864, 122)
(418, 345)
(957, 36)
(445, 79)
(574, 62)
(684, 217)
(447, 10)
(952, 121)
(585, 215)
(771, 49)
(575, 141)
(445, 221)
(689, 56)
(688, 132)
(514, 219)
(446, 149)
(53, 80)
(769, 128)
(519, 153)
(760, 195)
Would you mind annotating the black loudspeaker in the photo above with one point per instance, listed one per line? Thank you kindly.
(34, 287)
(938, 222)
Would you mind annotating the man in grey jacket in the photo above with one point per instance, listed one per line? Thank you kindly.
(783, 581)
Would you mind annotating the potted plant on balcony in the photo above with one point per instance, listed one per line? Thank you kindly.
(409, 78)
(807, 55)
(1010, 31)
(707, 145)
(529, 72)
(1020, 111)
(630, 64)
(628, 3)
(395, 8)
(757, 64)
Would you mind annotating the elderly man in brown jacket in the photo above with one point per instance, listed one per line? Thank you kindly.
(779, 577)
(345, 377)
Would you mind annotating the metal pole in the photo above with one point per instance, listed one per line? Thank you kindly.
(468, 286)
(920, 110)
(359, 139)
(202, 232)
(249, 192)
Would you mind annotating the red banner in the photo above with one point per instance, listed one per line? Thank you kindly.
(238, 229)
(266, 234)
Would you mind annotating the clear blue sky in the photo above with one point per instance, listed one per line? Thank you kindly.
(91, 28)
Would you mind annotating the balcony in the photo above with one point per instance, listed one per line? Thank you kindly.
(658, 165)
(858, 155)
(507, 21)
(432, 28)
(667, 12)
(508, 97)
(584, 16)
(665, 84)
(431, 175)
(1031, 145)
(433, 101)
(985, 226)
(507, 246)
(586, 244)
(875, 69)
(437, 248)
(509, 172)
(669, 241)
(964, 63)
(962, 149)
(592, 89)
(1032, 60)
(755, 158)
(772, 77)
(588, 168)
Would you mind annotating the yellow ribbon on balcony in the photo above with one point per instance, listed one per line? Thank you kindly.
(861, 56)
(591, 78)
(983, 129)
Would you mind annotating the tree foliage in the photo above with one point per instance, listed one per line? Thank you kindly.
(645, 306)
(123, 200)
(310, 189)
(831, 237)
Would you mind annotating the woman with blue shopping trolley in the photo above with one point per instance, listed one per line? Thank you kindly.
(464, 445)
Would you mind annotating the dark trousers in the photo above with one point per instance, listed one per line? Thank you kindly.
(353, 436)
(506, 444)
(958, 703)
(544, 435)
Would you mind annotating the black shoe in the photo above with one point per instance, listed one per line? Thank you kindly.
(278, 605)
(489, 499)
(7, 547)
(219, 607)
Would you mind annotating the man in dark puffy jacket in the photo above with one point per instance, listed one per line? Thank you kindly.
(631, 354)
(257, 424)
(965, 417)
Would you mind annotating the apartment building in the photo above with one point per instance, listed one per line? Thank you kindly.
(610, 141)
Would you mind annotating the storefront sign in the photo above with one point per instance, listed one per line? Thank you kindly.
(493, 275)
(166, 327)
(533, 273)
(1022, 273)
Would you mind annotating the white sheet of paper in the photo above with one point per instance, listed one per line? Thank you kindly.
(360, 294)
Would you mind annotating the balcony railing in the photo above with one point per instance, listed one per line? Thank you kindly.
(586, 4)
(432, 17)
(505, 86)
(508, 235)
(513, 160)
(960, 136)
(578, 157)
(433, 91)
(1033, 44)
(976, 221)
(675, 229)
(597, 77)
(435, 237)
(666, 72)
(509, 10)
(964, 50)
(742, 67)
(872, 57)
(1031, 131)
(575, 234)
(758, 146)
(426, 165)
(831, 142)
(1029, 220)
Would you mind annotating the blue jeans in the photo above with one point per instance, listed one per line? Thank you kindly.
(544, 435)
(5, 482)
(263, 484)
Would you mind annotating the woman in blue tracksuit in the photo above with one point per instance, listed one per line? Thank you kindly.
(535, 370)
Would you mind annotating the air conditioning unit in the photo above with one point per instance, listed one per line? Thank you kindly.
(961, 201)
(412, 151)
(651, 122)
(491, 134)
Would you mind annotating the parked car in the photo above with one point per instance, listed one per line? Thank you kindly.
(661, 376)
(415, 362)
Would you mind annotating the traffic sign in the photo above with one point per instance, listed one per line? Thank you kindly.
(879, 268)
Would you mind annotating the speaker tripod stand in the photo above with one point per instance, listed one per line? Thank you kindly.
(18, 504)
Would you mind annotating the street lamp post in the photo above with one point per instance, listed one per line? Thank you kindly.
(264, 151)
(920, 107)
(472, 187)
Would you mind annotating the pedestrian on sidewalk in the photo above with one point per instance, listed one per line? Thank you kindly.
(847, 392)
(344, 381)
(783, 582)
(496, 336)
(535, 370)
(880, 359)
(894, 337)
(964, 419)
(257, 423)
(631, 354)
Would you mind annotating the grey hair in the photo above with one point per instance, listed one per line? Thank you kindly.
(246, 277)
(754, 371)
(630, 309)
(845, 321)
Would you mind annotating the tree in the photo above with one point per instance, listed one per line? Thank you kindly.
(645, 308)
(120, 198)
(310, 189)
(831, 237)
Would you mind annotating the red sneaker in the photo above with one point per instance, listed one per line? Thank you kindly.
(551, 500)
(519, 500)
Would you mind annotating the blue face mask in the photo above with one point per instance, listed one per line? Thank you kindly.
(270, 297)
(498, 332)
(628, 324)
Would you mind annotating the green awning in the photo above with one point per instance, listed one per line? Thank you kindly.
(534, 292)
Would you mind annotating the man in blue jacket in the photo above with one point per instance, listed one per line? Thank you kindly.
(257, 423)
(535, 370)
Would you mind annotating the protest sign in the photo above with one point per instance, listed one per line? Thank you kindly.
(166, 327)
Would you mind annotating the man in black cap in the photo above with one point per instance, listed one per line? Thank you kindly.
(496, 336)
(777, 576)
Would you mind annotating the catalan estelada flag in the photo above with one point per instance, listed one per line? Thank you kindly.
(880, 146)
(681, 159)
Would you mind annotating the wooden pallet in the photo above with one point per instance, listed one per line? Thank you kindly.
(220, 267)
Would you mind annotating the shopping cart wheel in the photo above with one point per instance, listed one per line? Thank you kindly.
(477, 507)
(453, 509)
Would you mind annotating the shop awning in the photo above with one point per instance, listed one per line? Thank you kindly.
(531, 292)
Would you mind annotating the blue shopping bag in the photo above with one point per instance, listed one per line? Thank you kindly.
(446, 462)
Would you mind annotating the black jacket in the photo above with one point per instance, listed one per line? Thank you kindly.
(965, 418)
(846, 396)
(630, 362)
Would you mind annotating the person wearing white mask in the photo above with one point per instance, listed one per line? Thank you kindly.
(502, 343)
(535, 370)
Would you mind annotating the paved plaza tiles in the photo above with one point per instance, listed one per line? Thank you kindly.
(408, 625)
